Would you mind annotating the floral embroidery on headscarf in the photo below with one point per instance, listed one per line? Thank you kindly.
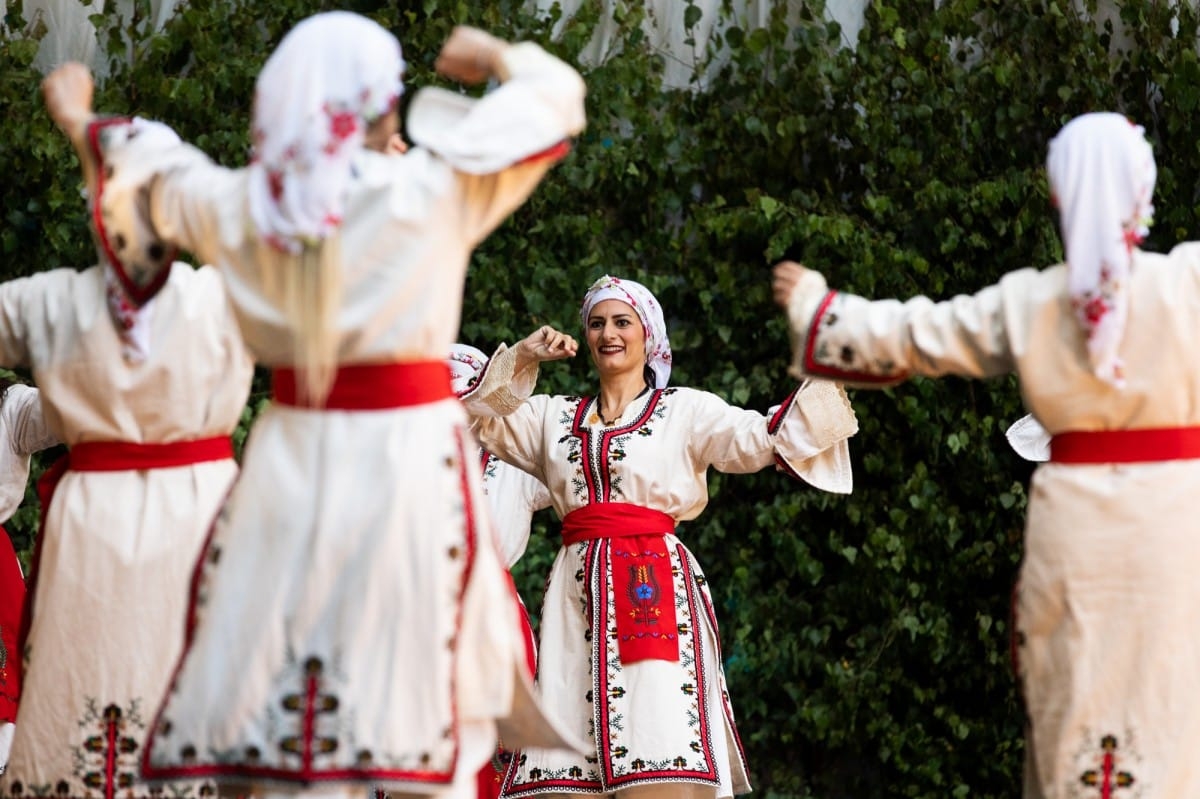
(638, 297)
(1102, 173)
(329, 78)
(466, 365)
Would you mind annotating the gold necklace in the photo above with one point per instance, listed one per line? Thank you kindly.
(598, 416)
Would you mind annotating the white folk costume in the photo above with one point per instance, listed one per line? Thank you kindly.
(1108, 602)
(352, 624)
(629, 656)
(513, 496)
(23, 432)
(143, 375)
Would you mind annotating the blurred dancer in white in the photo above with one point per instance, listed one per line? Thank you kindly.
(350, 628)
(1108, 602)
(143, 375)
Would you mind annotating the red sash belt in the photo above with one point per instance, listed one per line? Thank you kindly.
(122, 456)
(613, 520)
(1126, 446)
(372, 386)
(643, 586)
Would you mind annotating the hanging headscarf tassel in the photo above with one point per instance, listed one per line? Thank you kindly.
(1102, 173)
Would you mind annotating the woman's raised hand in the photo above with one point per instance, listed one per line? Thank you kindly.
(471, 55)
(68, 92)
(786, 275)
(546, 344)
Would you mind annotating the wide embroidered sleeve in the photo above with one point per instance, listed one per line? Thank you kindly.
(157, 194)
(501, 387)
(504, 416)
(502, 144)
(811, 430)
(879, 343)
(806, 436)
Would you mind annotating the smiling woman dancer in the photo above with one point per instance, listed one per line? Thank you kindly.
(352, 625)
(629, 655)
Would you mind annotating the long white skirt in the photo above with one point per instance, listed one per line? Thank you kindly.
(114, 562)
(350, 613)
(1108, 631)
(649, 722)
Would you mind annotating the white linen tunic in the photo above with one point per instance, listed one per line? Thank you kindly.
(651, 721)
(352, 624)
(117, 549)
(1108, 604)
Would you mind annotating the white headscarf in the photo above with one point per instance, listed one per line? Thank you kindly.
(1102, 174)
(327, 80)
(466, 365)
(638, 297)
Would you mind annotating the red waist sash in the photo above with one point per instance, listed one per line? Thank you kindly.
(1126, 446)
(643, 584)
(121, 456)
(372, 386)
(613, 520)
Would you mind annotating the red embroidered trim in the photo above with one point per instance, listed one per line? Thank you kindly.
(726, 706)
(813, 368)
(110, 756)
(1107, 778)
(782, 411)
(139, 295)
(555, 152)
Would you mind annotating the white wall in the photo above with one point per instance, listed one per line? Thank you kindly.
(666, 32)
(68, 33)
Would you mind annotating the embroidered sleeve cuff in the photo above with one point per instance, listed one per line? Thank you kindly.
(811, 430)
(827, 346)
(501, 389)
